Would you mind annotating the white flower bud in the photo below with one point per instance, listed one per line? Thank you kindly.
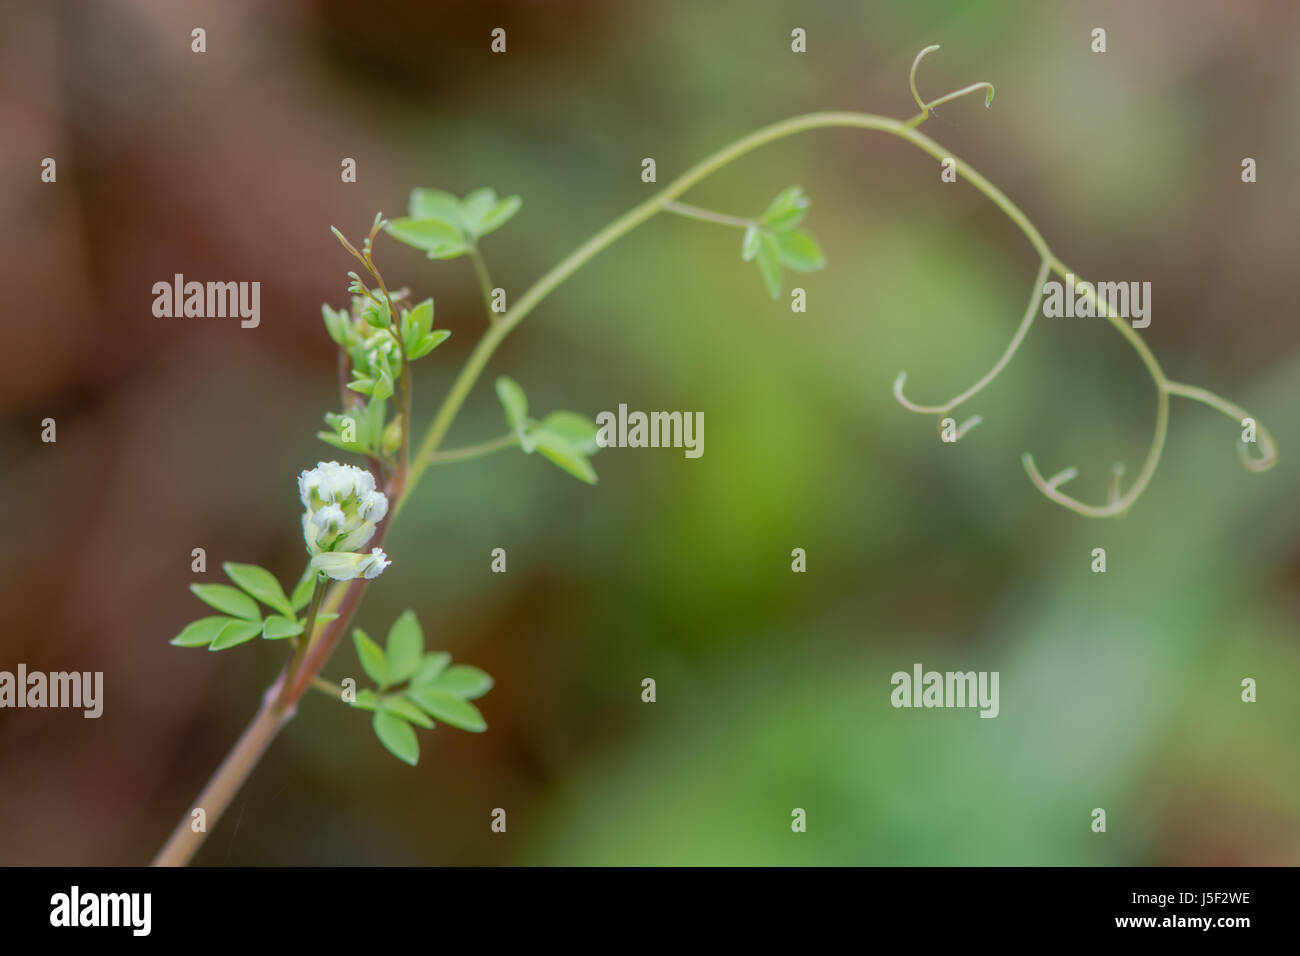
(372, 506)
(310, 534)
(345, 566)
(337, 481)
(365, 483)
(308, 483)
(329, 519)
(356, 538)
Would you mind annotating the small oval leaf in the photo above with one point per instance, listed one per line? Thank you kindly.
(301, 596)
(427, 344)
(366, 699)
(403, 708)
(786, 210)
(513, 400)
(558, 450)
(439, 239)
(397, 735)
(501, 213)
(277, 627)
(578, 430)
(230, 600)
(463, 681)
(430, 667)
(236, 632)
(261, 584)
(435, 204)
(405, 647)
(769, 263)
(449, 708)
(799, 251)
(371, 655)
(202, 632)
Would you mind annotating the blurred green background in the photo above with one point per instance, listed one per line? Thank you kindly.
(1118, 691)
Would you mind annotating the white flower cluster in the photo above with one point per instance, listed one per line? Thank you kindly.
(342, 509)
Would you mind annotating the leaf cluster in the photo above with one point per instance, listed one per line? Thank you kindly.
(445, 227)
(565, 438)
(414, 688)
(775, 241)
(241, 619)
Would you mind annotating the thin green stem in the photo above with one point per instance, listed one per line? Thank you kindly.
(1197, 394)
(309, 627)
(1115, 506)
(474, 451)
(1031, 312)
(484, 281)
(1113, 488)
(327, 687)
(404, 452)
(708, 215)
(922, 116)
(1267, 457)
(926, 108)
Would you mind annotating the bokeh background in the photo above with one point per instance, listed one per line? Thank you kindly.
(1118, 691)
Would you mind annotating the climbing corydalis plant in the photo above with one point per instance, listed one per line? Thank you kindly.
(349, 508)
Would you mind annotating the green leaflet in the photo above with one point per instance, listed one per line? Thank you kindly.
(403, 708)
(301, 596)
(799, 251)
(261, 584)
(787, 210)
(769, 263)
(405, 648)
(426, 344)
(578, 430)
(397, 736)
(514, 401)
(437, 238)
(373, 660)
(564, 454)
(430, 667)
(463, 681)
(202, 632)
(566, 438)
(448, 708)
(277, 627)
(235, 632)
(230, 600)
(445, 227)
(416, 324)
